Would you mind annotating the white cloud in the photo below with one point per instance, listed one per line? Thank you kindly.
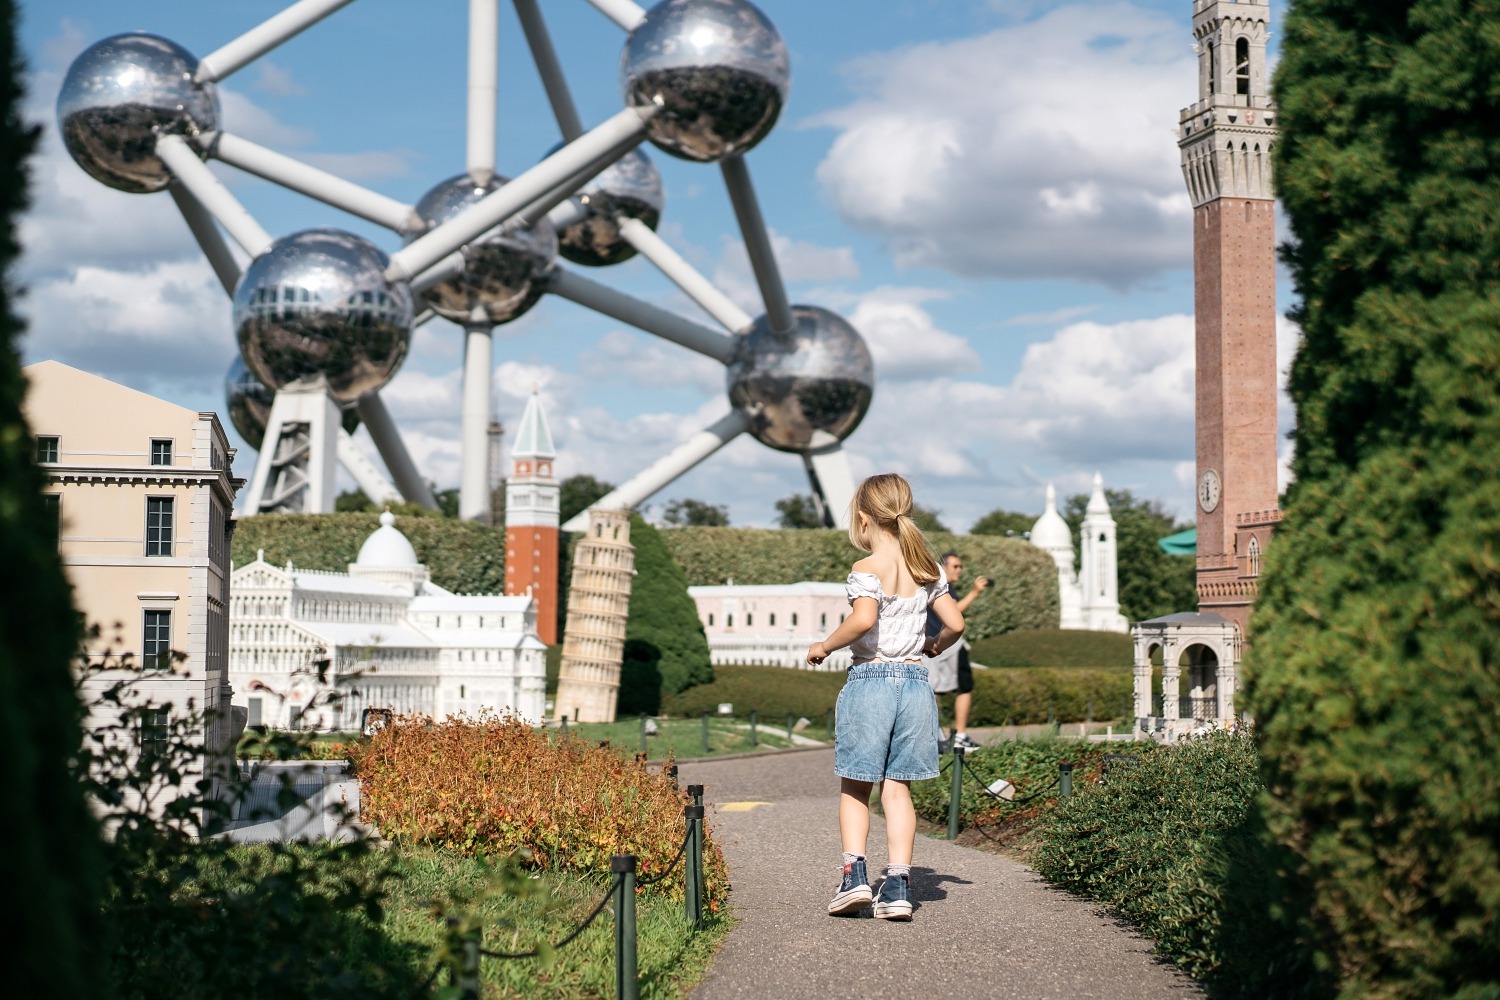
(1039, 150)
(276, 80)
(648, 363)
(800, 263)
(904, 338)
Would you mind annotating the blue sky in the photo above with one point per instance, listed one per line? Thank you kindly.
(988, 190)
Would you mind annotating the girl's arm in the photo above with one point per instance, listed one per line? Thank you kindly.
(862, 617)
(946, 608)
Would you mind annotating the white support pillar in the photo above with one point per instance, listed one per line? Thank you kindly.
(193, 174)
(210, 240)
(1171, 691)
(474, 486)
(1142, 690)
(549, 69)
(367, 476)
(674, 464)
(377, 420)
(263, 38)
(594, 150)
(298, 456)
(484, 68)
(626, 13)
(304, 179)
(828, 471)
(684, 275)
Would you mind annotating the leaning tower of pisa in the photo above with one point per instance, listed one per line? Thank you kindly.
(598, 604)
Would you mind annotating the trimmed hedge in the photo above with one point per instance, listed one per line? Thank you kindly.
(462, 556)
(771, 691)
(1024, 594)
(1176, 846)
(1054, 647)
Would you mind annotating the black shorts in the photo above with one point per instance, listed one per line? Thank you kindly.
(965, 672)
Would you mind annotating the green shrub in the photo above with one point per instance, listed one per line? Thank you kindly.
(771, 691)
(1024, 594)
(1174, 845)
(462, 556)
(1030, 695)
(665, 648)
(1054, 647)
(49, 837)
(1374, 675)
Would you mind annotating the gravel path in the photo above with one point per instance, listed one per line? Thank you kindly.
(985, 926)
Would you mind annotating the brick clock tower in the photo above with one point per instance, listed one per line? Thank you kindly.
(531, 519)
(1226, 140)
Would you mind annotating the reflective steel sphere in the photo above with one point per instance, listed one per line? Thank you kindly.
(317, 303)
(249, 403)
(717, 68)
(504, 272)
(630, 187)
(119, 95)
(818, 377)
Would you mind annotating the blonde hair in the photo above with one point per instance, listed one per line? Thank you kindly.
(886, 500)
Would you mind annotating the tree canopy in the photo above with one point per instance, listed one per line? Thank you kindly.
(1004, 522)
(576, 493)
(696, 514)
(798, 512)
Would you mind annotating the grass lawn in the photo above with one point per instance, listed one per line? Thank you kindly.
(671, 957)
(683, 738)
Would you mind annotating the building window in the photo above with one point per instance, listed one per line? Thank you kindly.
(159, 525)
(710, 619)
(46, 449)
(729, 621)
(772, 622)
(161, 451)
(253, 713)
(794, 619)
(153, 733)
(749, 619)
(1242, 66)
(823, 620)
(1254, 556)
(156, 645)
(53, 504)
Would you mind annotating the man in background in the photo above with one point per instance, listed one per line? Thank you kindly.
(950, 670)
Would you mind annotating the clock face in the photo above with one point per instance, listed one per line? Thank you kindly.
(1208, 491)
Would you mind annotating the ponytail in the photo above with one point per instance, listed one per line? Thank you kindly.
(886, 500)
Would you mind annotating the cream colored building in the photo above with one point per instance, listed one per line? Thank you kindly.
(143, 490)
(588, 683)
(771, 625)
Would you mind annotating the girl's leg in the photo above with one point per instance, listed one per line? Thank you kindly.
(900, 821)
(854, 815)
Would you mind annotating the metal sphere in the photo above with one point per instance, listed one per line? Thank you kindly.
(630, 187)
(505, 272)
(817, 378)
(119, 96)
(717, 68)
(249, 404)
(318, 303)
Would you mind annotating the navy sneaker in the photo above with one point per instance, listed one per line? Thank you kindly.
(894, 901)
(854, 891)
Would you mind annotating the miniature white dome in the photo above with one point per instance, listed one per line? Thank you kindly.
(1051, 531)
(387, 546)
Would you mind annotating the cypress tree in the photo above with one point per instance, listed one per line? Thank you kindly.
(47, 835)
(665, 648)
(1374, 677)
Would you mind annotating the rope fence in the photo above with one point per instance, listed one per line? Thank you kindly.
(466, 947)
(1063, 783)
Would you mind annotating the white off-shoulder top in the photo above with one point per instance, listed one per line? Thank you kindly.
(900, 628)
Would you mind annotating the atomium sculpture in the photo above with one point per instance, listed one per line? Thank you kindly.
(323, 318)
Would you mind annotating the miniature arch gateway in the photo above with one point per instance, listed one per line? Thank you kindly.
(323, 317)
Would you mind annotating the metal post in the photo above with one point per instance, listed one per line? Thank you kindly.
(201, 224)
(672, 773)
(547, 66)
(210, 192)
(695, 792)
(705, 734)
(644, 316)
(645, 747)
(474, 433)
(682, 274)
(693, 866)
(468, 979)
(565, 725)
(955, 792)
(627, 984)
(754, 718)
(1065, 779)
(484, 45)
(757, 244)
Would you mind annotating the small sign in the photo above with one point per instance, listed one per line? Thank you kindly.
(726, 708)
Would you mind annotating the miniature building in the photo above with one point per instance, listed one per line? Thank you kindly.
(771, 625)
(312, 649)
(143, 491)
(588, 684)
(1088, 597)
(1226, 139)
(531, 518)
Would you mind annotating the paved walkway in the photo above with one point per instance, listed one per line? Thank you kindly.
(985, 926)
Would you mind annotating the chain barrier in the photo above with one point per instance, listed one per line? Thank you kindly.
(978, 783)
(681, 853)
(1063, 782)
(614, 887)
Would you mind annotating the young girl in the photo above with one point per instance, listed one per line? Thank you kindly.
(887, 727)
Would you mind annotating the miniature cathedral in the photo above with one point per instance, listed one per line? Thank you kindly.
(1089, 596)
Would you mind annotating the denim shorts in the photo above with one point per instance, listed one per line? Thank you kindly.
(887, 724)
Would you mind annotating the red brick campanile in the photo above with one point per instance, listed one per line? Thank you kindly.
(531, 519)
(1226, 140)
